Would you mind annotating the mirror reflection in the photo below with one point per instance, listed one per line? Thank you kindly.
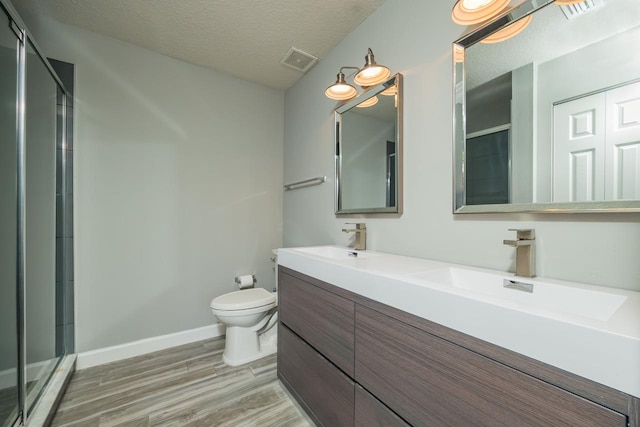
(552, 116)
(368, 151)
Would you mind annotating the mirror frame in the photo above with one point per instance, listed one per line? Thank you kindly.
(459, 131)
(348, 105)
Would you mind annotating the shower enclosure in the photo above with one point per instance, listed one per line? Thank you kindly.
(36, 328)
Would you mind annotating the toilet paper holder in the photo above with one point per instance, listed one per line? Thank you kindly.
(239, 280)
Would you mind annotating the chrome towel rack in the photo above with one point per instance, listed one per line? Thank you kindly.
(306, 183)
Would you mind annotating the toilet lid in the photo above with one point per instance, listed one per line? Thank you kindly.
(241, 300)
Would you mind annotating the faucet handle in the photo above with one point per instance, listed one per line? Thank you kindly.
(359, 225)
(524, 233)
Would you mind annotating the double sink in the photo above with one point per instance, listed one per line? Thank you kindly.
(587, 330)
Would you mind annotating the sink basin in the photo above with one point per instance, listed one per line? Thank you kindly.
(554, 297)
(336, 252)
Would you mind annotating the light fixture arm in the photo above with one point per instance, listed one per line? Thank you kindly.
(348, 67)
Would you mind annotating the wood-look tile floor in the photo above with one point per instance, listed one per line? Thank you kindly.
(183, 386)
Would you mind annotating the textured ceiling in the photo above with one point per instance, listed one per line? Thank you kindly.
(244, 38)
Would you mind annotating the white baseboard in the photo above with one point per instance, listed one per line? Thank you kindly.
(147, 345)
(9, 377)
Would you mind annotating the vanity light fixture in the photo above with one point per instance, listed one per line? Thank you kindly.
(341, 90)
(370, 75)
(567, 2)
(469, 12)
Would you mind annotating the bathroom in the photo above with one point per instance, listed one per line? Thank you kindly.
(179, 173)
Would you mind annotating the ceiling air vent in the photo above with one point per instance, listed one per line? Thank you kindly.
(572, 11)
(298, 60)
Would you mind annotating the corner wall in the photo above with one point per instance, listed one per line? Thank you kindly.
(414, 37)
(178, 186)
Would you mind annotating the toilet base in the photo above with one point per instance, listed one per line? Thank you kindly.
(242, 345)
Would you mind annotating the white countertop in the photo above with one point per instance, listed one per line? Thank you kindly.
(605, 349)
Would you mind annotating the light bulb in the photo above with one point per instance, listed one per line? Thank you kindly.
(475, 4)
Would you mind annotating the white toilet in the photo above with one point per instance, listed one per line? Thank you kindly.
(248, 314)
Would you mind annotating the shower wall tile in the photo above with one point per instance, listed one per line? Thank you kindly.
(61, 219)
(65, 71)
(69, 314)
(65, 289)
(59, 258)
(69, 338)
(69, 217)
(69, 258)
(59, 125)
(64, 303)
(58, 171)
(59, 304)
(69, 176)
(59, 216)
(70, 126)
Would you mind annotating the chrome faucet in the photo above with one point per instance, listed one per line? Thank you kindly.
(361, 235)
(525, 264)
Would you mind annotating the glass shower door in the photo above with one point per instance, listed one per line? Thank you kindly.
(8, 230)
(35, 301)
(43, 253)
(8, 227)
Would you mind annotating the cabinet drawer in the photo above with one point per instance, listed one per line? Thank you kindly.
(323, 319)
(430, 381)
(322, 389)
(369, 412)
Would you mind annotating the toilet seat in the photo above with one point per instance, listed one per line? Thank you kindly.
(247, 299)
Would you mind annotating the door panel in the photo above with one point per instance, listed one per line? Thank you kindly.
(579, 149)
(623, 143)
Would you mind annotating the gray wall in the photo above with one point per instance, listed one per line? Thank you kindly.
(414, 37)
(178, 186)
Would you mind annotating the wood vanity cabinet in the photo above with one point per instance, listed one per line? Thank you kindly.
(430, 381)
(351, 361)
(325, 320)
(324, 391)
(370, 412)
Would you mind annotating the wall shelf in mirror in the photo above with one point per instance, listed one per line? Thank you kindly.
(549, 120)
(368, 142)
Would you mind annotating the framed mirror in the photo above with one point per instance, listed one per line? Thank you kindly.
(549, 120)
(368, 141)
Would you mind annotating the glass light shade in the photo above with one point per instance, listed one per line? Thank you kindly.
(509, 31)
(567, 2)
(372, 73)
(372, 76)
(368, 103)
(340, 90)
(470, 12)
(390, 91)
